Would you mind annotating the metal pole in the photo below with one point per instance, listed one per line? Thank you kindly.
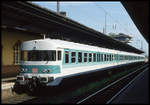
(141, 45)
(105, 22)
(44, 36)
(58, 7)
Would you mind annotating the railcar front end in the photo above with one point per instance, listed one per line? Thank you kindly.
(40, 64)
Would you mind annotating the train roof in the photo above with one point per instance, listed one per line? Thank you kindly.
(56, 43)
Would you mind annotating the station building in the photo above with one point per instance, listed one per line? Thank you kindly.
(10, 42)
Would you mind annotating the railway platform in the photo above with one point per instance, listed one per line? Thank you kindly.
(7, 83)
(6, 87)
(135, 93)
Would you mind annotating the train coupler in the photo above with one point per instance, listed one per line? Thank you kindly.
(33, 84)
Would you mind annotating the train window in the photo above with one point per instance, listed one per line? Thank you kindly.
(59, 55)
(90, 57)
(97, 57)
(73, 57)
(38, 55)
(104, 57)
(66, 57)
(101, 57)
(107, 57)
(85, 57)
(94, 57)
(52, 55)
(79, 57)
(120, 57)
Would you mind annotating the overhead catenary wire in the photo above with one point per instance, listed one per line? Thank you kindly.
(111, 16)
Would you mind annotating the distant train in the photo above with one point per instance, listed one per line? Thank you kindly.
(49, 61)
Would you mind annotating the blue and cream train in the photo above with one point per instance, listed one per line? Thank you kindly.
(52, 60)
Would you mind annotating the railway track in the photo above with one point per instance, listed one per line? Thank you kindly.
(107, 94)
(49, 95)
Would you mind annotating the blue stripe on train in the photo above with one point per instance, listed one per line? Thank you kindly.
(53, 68)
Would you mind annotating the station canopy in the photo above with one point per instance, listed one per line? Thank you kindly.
(139, 13)
(33, 18)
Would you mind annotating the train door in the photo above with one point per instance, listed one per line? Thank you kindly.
(59, 57)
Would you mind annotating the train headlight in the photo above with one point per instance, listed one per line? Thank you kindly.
(46, 71)
(22, 70)
(25, 70)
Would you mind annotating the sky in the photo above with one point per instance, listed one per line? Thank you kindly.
(92, 14)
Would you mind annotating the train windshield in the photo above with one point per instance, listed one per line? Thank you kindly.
(38, 55)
